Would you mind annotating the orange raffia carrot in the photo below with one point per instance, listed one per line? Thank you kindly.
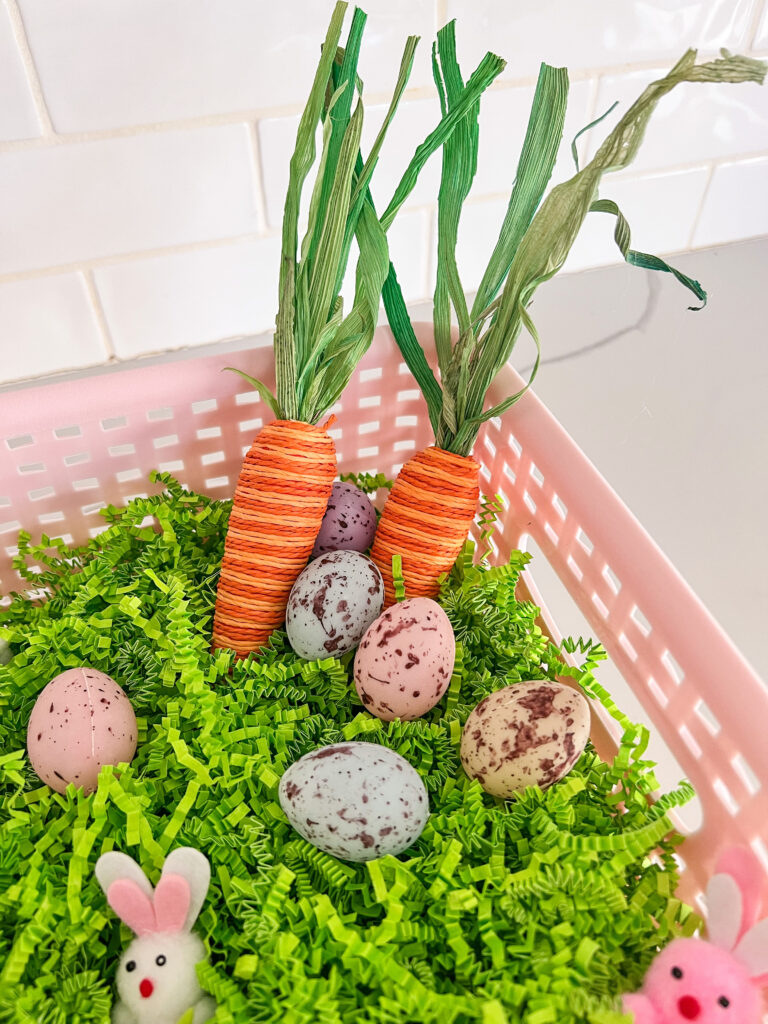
(287, 475)
(426, 519)
(280, 499)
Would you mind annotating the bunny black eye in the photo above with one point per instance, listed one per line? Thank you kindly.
(676, 972)
(724, 1001)
(131, 965)
(160, 960)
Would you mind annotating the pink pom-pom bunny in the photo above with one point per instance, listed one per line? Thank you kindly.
(716, 981)
(156, 978)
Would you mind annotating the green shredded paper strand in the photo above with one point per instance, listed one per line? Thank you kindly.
(543, 909)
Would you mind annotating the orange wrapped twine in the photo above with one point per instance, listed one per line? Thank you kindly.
(280, 499)
(426, 519)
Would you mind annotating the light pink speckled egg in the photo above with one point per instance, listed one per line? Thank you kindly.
(405, 660)
(528, 734)
(81, 721)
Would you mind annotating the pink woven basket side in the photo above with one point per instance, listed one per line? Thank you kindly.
(72, 446)
(700, 694)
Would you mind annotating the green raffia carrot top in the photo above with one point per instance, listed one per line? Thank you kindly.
(540, 910)
(533, 243)
(287, 474)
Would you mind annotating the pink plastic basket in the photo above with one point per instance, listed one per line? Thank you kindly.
(72, 446)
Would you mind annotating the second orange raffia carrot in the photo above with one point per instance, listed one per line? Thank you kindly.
(287, 474)
(433, 502)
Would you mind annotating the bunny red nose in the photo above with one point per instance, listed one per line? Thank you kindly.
(689, 1007)
(146, 988)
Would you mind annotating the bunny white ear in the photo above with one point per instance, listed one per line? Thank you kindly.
(193, 867)
(752, 951)
(115, 867)
(724, 911)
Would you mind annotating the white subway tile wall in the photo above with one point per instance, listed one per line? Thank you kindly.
(660, 207)
(18, 119)
(144, 148)
(188, 298)
(737, 203)
(48, 324)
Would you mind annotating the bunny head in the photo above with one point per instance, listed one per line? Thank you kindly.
(156, 978)
(718, 981)
(691, 980)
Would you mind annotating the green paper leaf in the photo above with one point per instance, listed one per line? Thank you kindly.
(640, 259)
(548, 240)
(266, 395)
(534, 169)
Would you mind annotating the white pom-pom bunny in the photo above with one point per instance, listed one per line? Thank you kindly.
(718, 981)
(156, 979)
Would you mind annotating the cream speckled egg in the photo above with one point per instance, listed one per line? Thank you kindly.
(404, 663)
(356, 801)
(332, 603)
(81, 721)
(528, 734)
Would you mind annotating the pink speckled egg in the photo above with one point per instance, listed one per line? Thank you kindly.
(81, 721)
(528, 734)
(349, 523)
(405, 660)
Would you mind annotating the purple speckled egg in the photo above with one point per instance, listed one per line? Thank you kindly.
(528, 734)
(404, 663)
(81, 721)
(349, 523)
(357, 801)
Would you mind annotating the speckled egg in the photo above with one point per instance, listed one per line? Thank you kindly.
(81, 721)
(332, 603)
(404, 663)
(529, 734)
(356, 801)
(349, 523)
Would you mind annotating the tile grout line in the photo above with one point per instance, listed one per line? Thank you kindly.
(203, 245)
(414, 94)
(754, 27)
(274, 233)
(33, 79)
(259, 193)
(100, 315)
(191, 351)
(702, 203)
(98, 262)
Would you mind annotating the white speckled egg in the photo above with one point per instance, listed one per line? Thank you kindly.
(349, 523)
(332, 603)
(404, 663)
(528, 734)
(356, 801)
(81, 721)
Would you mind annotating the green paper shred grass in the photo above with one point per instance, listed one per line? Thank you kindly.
(541, 910)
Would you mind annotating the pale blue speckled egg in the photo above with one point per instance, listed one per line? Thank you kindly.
(356, 801)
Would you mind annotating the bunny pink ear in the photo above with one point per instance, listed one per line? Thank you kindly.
(172, 898)
(194, 868)
(752, 951)
(733, 896)
(132, 906)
